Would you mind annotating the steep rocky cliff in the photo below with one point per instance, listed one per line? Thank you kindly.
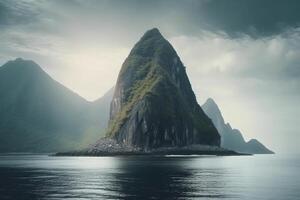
(153, 103)
(232, 138)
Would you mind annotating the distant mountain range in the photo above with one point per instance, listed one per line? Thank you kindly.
(232, 138)
(38, 114)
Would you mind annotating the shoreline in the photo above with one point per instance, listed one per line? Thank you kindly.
(181, 151)
(110, 154)
(109, 147)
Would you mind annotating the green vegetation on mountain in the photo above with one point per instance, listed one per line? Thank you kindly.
(153, 103)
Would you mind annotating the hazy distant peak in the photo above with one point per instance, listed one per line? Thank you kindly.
(254, 141)
(210, 102)
(109, 93)
(231, 138)
(211, 107)
(257, 147)
(21, 63)
(106, 97)
(19, 59)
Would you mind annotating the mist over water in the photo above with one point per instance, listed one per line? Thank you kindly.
(207, 177)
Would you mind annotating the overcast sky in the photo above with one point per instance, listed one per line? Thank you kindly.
(243, 54)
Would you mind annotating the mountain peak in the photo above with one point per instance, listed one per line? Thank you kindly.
(152, 95)
(154, 32)
(211, 102)
(22, 61)
(256, 147)
(231, 138)
(19, 59)
(210, 106)
(153, 44)
(21, 64)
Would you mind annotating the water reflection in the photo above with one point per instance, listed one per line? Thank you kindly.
(49, 178)
(167, 178)
(110, 178)
(152, 178)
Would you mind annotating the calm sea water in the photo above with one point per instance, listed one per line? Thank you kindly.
(203, 177)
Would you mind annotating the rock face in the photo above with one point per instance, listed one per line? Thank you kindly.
(38, 114)
(232, 138)
(153, 104)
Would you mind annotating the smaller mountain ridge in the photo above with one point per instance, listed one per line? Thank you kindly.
(232, 138)
(38, 114)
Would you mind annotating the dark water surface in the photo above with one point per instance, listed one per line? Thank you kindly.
(203, 177)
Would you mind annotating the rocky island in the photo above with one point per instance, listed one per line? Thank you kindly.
(154, 109)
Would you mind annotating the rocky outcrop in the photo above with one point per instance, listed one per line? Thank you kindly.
(153, 104)
(232, 138)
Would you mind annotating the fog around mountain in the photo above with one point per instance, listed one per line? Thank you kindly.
(232, 138)
(38, 114)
